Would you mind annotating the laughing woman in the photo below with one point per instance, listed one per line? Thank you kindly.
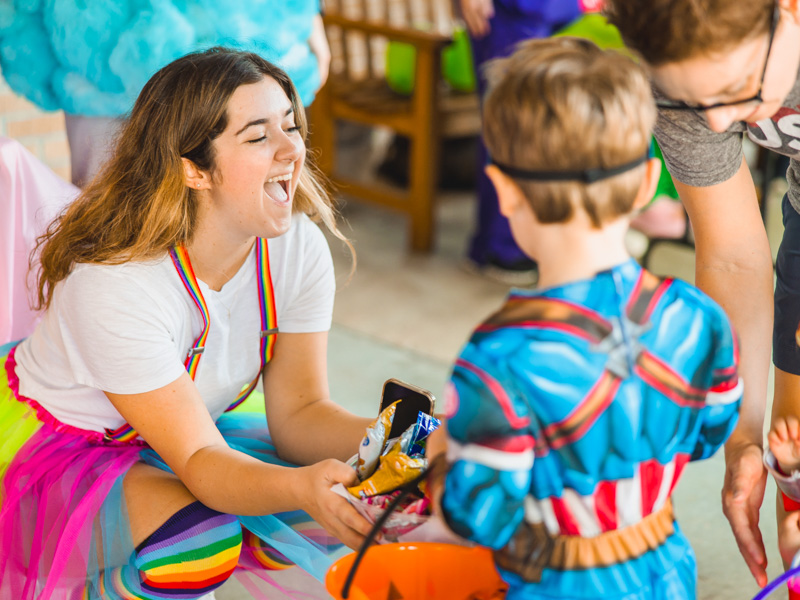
(164, 287)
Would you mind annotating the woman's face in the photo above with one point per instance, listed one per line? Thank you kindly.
(736, 74)
(257, 163)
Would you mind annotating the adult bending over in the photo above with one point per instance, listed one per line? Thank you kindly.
(165, 284)
(723, 68)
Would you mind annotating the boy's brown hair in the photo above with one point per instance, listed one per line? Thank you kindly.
(562, 104)
(665, 31)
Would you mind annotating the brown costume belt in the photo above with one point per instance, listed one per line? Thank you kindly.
(532, 548)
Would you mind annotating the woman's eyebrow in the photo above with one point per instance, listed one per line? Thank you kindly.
(264, 120)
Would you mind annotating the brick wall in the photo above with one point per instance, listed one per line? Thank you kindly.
(40, 132)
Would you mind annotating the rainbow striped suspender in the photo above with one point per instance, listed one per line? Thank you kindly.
(269, 324)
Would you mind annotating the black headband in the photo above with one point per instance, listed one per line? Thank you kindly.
(585, 175)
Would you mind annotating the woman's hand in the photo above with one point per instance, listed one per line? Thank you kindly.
(328, 509)
(742, 495)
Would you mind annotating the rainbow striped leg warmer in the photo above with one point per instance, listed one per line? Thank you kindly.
(190, 555)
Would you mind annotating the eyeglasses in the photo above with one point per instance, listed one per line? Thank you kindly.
(681, 105)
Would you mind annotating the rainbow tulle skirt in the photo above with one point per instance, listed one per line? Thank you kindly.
(63, 521)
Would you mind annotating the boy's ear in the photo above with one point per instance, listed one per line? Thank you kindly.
(194, 177)
(509, 196)
(647, 189)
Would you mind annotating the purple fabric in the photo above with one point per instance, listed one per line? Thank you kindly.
(514, 21)
(189, 521)
(30, 196)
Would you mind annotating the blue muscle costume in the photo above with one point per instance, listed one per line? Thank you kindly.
(571, 414)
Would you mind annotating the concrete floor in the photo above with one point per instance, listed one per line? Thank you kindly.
(406, 316)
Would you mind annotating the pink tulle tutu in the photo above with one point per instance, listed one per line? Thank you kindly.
(61, 494)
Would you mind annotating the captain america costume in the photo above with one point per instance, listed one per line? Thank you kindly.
(571, 414)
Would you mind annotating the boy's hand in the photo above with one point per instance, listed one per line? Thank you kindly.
(436, 452)
(742, 495)
(436, 443)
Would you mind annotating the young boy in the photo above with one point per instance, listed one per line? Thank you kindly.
(572, 411)
(725, 68)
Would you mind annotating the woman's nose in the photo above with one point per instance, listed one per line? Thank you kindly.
(292, 148)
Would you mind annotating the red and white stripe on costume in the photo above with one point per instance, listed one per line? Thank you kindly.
(613, 505)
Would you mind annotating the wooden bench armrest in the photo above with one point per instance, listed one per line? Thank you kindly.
(420, 39)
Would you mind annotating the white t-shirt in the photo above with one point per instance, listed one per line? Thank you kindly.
(127, 329)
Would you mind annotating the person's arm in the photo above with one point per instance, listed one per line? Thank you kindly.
(318, 42)
(177, 425)
(305, 424)
(720, 412)
(490, 452)
(477, 14)
(734, 267)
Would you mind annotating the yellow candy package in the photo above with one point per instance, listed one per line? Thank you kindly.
(396, 468)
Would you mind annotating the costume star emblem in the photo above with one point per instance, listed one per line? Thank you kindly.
(622, 345)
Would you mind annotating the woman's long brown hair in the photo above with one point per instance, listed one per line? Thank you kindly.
(138, 206)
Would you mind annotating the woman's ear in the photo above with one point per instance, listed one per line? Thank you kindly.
(649, 184)
(194, 177)
(509, 196)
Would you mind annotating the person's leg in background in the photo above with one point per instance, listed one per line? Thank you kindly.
(492, 248)
(91, 140)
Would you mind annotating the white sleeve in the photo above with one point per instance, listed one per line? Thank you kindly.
(308, 284)
(117, 336)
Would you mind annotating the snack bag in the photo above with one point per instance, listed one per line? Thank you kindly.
(396, 468)
(374, 440)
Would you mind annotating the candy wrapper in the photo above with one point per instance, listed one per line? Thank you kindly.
(396, 469)
(403, 525)
(374, 441)
(398, 461)
(425, 425)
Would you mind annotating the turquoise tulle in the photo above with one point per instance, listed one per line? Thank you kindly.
(93, 58)
(293, 534)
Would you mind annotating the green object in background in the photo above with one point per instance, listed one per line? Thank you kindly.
(457, 67)
(253, 404)
(665, 185)
(596, 28)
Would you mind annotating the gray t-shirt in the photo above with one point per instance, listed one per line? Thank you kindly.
(699, 157)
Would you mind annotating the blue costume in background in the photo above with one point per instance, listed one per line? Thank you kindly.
(571, 414)
(513, 21)
(93, 58)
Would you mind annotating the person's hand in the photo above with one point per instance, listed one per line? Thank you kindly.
(477, 14)
(328, 509)
(742, 495)
(318, 42)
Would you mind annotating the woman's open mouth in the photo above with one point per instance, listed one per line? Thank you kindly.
(277, 188)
